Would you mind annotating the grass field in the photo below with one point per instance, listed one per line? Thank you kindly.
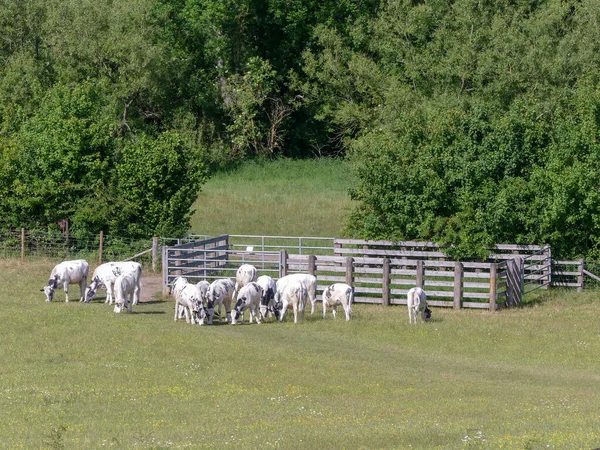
(78, 376)
(281, 198)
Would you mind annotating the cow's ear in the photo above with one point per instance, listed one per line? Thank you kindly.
(42, 290)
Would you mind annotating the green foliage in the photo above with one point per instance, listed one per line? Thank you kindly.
(157, 180)
(469, 124)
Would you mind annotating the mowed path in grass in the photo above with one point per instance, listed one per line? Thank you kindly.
(78, 376)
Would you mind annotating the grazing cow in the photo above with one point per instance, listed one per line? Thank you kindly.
(127, 290)
(310, 281)
(266, 302)
(209, 310)
(416, 300)
(294, 294)
(245, 274)
(106, 274)
(338, 294)
(220, 293)
(248, 298)
(187, 297)
(65, 273)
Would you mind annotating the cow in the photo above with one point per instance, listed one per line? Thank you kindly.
(127, 290)
(294, 294)
(266, 302)
(338, 294)
(248, 298)
(245, 274)
(220, 293)
(310, 281)
(416, 301)
(187, 296)
(65, 273)
(106, 274)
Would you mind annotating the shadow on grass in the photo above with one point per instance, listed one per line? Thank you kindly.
(148, 312)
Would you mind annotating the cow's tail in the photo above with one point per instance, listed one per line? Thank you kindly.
(350, 299)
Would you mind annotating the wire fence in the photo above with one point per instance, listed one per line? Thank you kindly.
(42, 243)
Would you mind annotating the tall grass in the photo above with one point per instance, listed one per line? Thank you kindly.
(282, 198)
(78, 376)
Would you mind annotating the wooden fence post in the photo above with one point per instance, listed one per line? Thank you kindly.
(493, 281)
(420, 273)
(385, 286)
(312, 264)
(67, 238)
(154, 252)
(580, 275)
(283, 261)
(22, 244)
(350, 270)
(165, 270)
(100, 247)
(458, 277)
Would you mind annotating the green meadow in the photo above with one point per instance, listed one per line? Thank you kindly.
(78, 376)
(284, 197)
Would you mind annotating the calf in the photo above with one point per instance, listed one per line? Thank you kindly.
(310, 281)
(266, 302)
(294, 294)
(416, 300)
(338, 294)
(245, 274)
(127, 290)
(106, 274)
(65, 273)
(220, 293)
(248, 298)
(187, 297)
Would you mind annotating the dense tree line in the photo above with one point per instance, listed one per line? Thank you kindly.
(467, 122)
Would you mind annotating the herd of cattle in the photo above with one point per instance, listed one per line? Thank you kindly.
(200, 302)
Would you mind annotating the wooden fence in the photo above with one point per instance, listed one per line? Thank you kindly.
(380, 280)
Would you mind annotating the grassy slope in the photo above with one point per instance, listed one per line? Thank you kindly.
(78, 376)
(281, 198)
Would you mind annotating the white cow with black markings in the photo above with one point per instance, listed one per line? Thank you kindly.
(294, 295)
(248, 298)
(106, 274)
(245, 274)
(310, 281)
(187, 296)
(65, 273)
(338, 294)
(127, 290)
(416, 301)
(220, 293)
(269, 287)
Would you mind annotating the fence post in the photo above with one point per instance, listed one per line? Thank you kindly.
(165, 271)
(349, 270)
(154, 252)
(420, 273)
(22, 244)
(458, 276)
(283, 261)
(580, 276)
(385, 287)
(548, 263)
(312, 264)
(100, 247)
(493, 281)
(67, 239)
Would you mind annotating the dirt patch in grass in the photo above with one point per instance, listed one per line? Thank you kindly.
(151, 288)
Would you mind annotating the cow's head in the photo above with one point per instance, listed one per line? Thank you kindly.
(90, 292)
(49, 291)
(426, 314)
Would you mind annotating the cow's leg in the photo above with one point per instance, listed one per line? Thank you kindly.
(66, 288)
(176, 311)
